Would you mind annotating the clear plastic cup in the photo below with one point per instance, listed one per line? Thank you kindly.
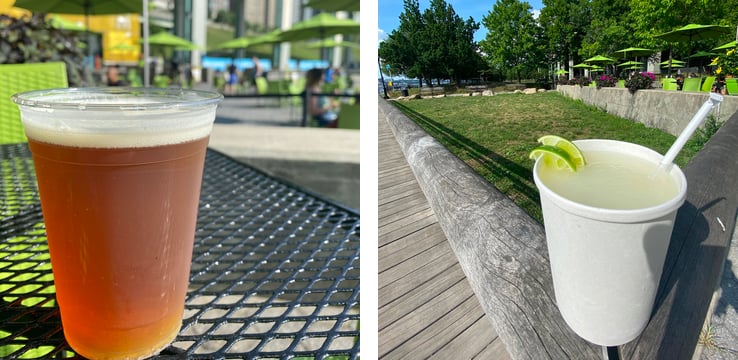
(119, 172)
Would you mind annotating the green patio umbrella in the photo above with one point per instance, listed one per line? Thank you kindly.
(694, 32)
(246, 42)
(334, 5)
(319, 27)
(631, 63)
(634, 52)
(164, 38)
(700, 54)
(64, 24)
(561, 72)
(729, 45)
(673, 61)
(333, 43)
(582, 66)
(599, 59)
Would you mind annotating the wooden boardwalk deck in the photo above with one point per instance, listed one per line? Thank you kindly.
(427, 309)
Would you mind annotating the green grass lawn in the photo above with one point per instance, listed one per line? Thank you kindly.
(494, 134)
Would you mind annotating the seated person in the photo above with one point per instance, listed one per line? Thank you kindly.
(320, 108)
(112, 76)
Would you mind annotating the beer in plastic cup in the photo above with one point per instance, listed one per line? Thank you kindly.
(119, 173)
(608, 227)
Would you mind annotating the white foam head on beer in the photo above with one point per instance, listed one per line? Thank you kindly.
(116, 122)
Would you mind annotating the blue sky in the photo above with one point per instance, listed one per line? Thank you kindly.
(390, 10)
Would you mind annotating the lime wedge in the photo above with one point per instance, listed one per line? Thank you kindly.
(574, 153)
(554, 156)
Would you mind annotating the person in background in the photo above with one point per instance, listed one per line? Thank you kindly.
(231, 80)
(113, 76)
(320, 107)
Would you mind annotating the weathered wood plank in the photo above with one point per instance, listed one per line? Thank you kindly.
(406, 328)
(466, 345)
(399, 229)
(401, 207)
(420, 294)
(396, 252)
(496, 350)
(402, 278)
(416, 264)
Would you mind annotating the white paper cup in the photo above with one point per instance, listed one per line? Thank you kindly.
(606, 264)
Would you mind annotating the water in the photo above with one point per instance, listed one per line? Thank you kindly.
(222, 63)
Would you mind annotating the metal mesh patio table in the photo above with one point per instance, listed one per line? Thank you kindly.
(275, 270)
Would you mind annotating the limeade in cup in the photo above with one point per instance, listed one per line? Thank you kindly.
(119, 174)
(608, 225)
(612, 180)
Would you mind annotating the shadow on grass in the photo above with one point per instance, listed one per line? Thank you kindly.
(522, 187)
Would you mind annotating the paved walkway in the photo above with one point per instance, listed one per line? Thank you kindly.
(427, 309)
(269, 137)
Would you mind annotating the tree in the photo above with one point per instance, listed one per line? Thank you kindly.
(564, 24)
(609, 29)
(436, 44)
(513, 37)
(403, 47)
(451, 52)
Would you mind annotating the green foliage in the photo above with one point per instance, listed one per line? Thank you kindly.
(434, 44)
(582, 81)
(606, 81)
(642, 80)
(704, 133)
(728, 63)
(33, 40)
(511, 23)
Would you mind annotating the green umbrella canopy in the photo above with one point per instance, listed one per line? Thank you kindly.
(164, 38)
(582, 66)
(629, 63)
(674, 65)
(729, 45)
(333, 43)
(561, 72)
(673, 62)
(82, 7)
(319, 27)
(702, 54)
(599, 58)
(250, 41)
(633, 51)
(64, 24)
(596, 68)
(694, 32)
(334, 5)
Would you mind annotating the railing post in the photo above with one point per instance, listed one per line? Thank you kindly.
(305, 98)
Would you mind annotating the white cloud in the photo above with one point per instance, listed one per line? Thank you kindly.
(381, 36)
(536, 13)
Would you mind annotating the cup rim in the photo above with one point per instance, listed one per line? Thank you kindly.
(617, 215)
(78, 98)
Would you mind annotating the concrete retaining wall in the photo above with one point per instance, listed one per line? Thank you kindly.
(669, 111)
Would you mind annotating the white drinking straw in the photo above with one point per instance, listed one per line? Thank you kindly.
(696, 121)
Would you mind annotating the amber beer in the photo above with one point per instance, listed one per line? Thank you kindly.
(119, 190)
